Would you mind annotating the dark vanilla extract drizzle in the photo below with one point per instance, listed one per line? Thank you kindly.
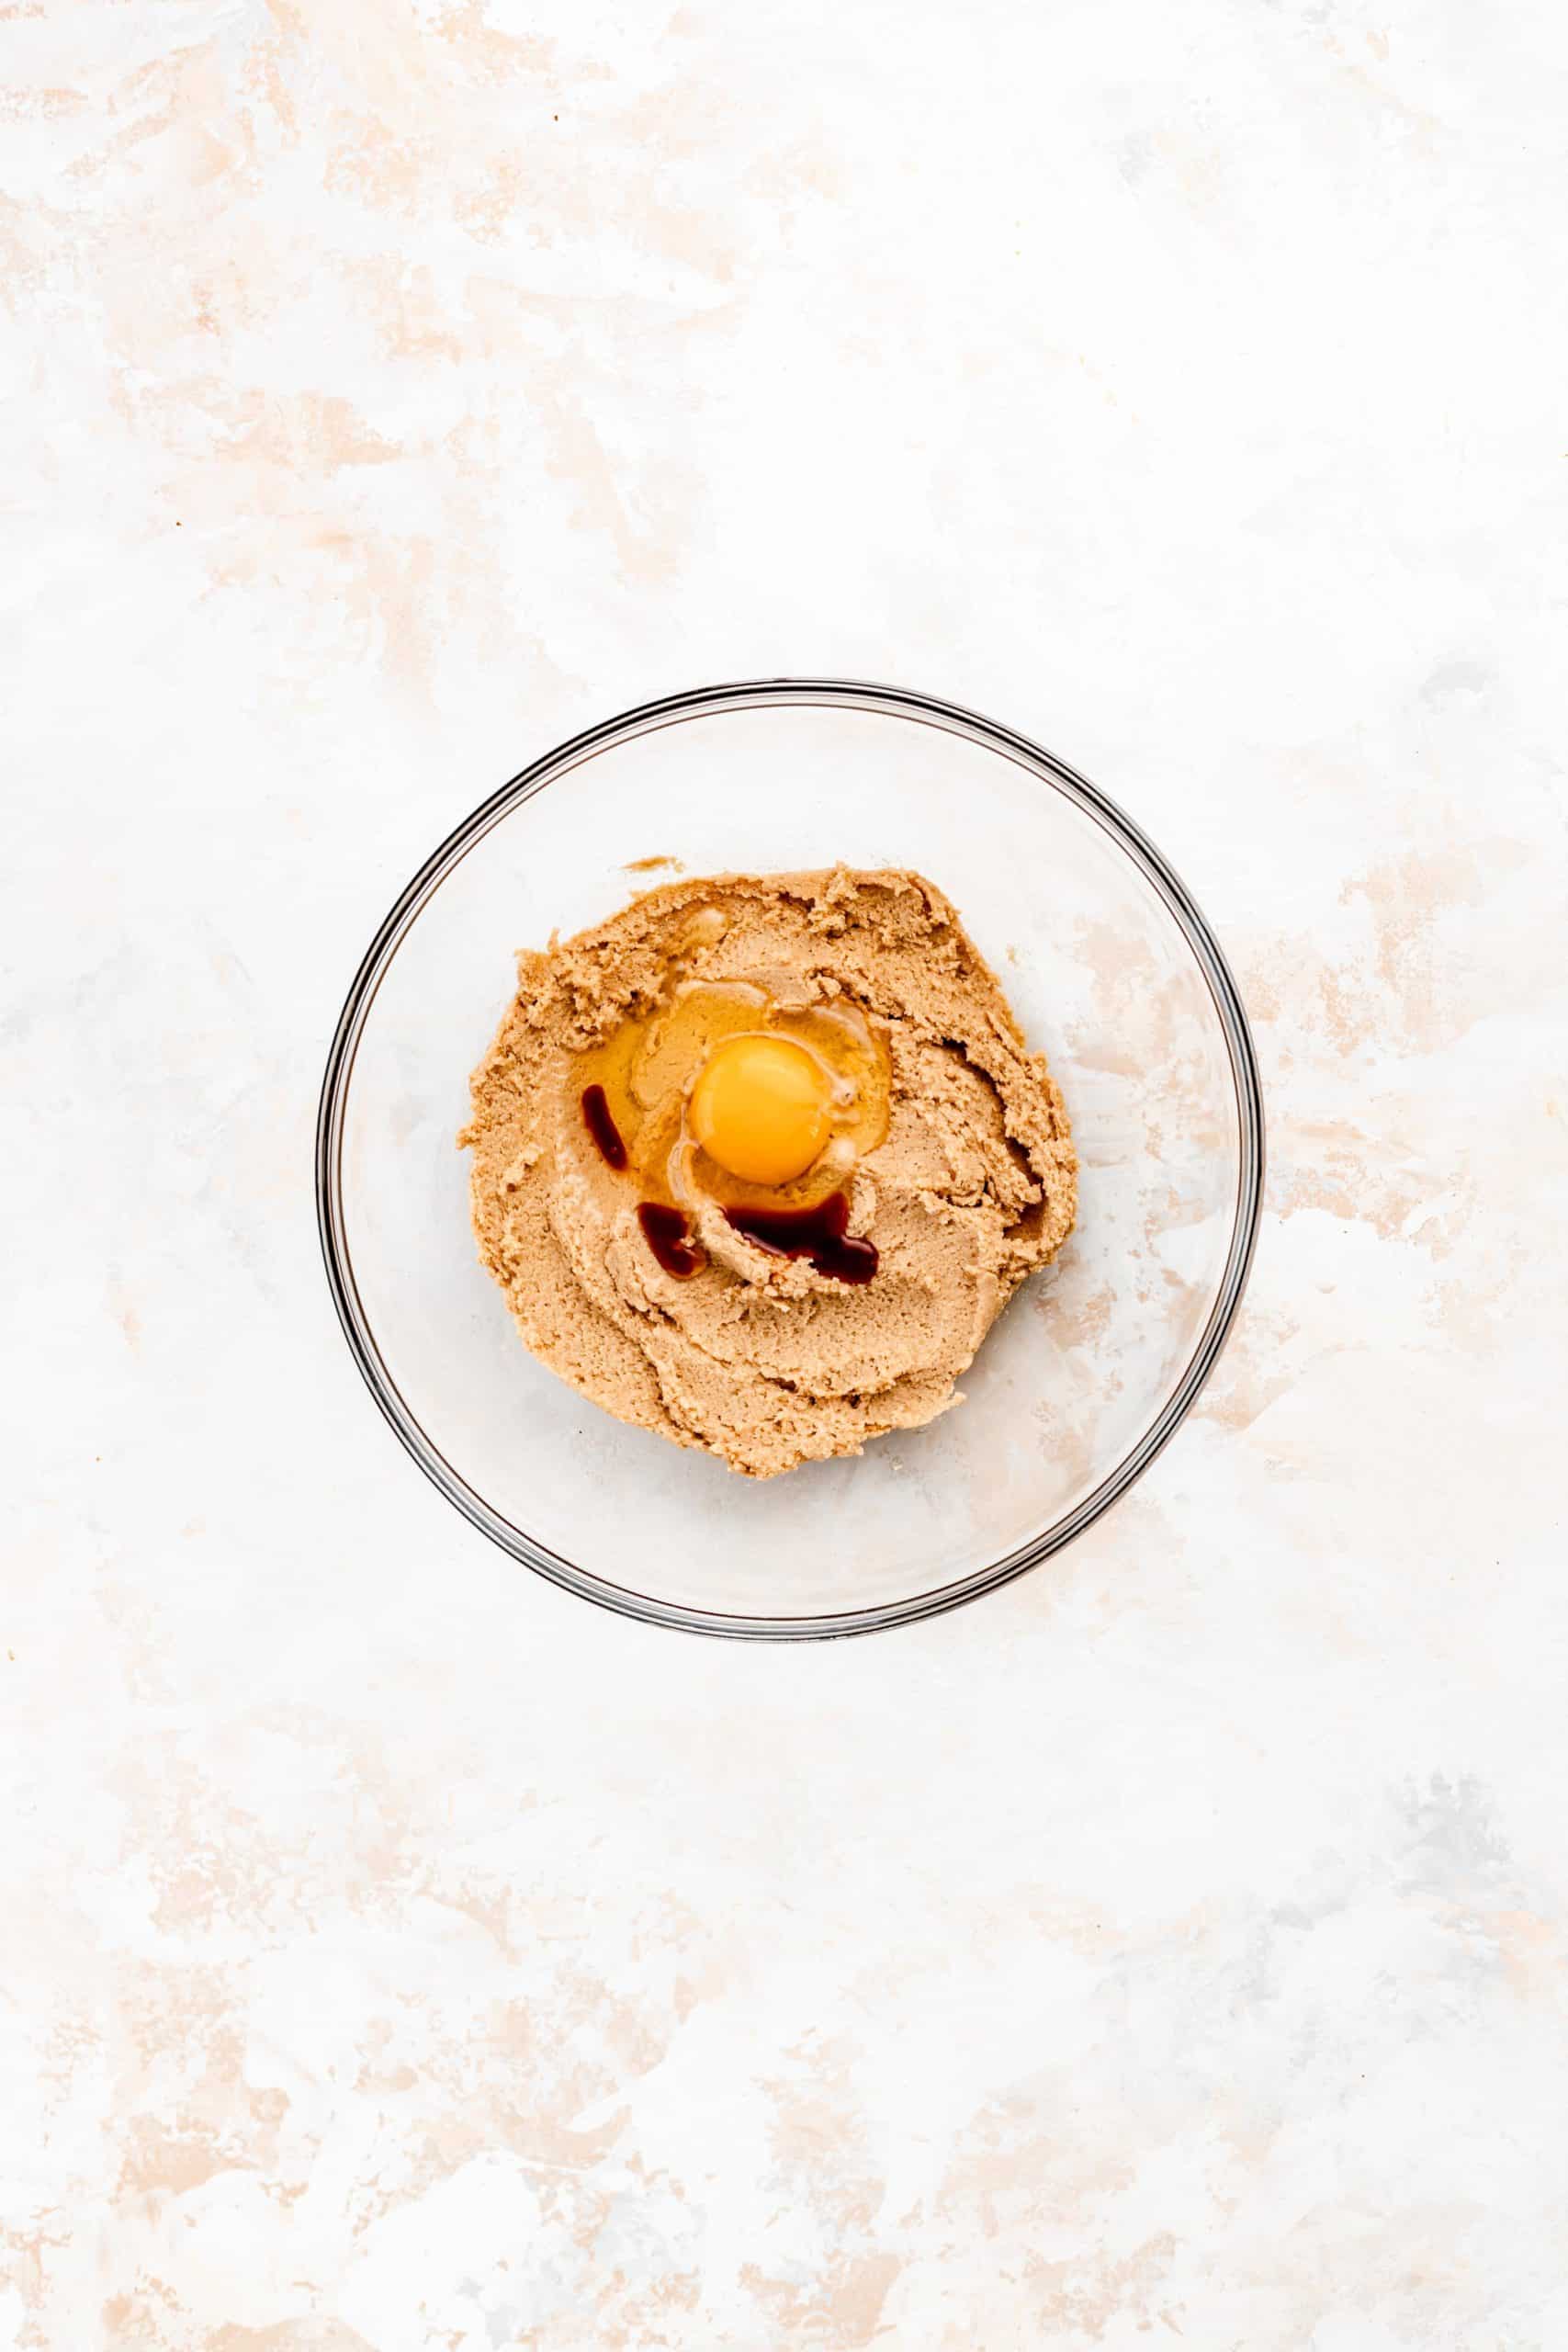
(667, 1234)
(819, 1234)
(598, 1118)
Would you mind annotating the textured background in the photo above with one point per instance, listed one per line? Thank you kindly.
(395, 1954)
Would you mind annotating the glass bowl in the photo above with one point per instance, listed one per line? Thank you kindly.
(1110, 969)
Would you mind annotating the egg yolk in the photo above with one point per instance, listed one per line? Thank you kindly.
(761, 1109)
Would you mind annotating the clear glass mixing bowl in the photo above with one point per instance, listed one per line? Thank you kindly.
(1112, 970)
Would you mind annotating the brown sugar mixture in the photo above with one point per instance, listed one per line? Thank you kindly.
(759, 1160)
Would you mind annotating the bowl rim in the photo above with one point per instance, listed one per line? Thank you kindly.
(672, 710)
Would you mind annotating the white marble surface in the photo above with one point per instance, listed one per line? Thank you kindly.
(397, 1954)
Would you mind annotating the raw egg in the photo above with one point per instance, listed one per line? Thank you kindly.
(762, 1108)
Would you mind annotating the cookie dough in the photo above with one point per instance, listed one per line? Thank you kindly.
(950, 1145)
